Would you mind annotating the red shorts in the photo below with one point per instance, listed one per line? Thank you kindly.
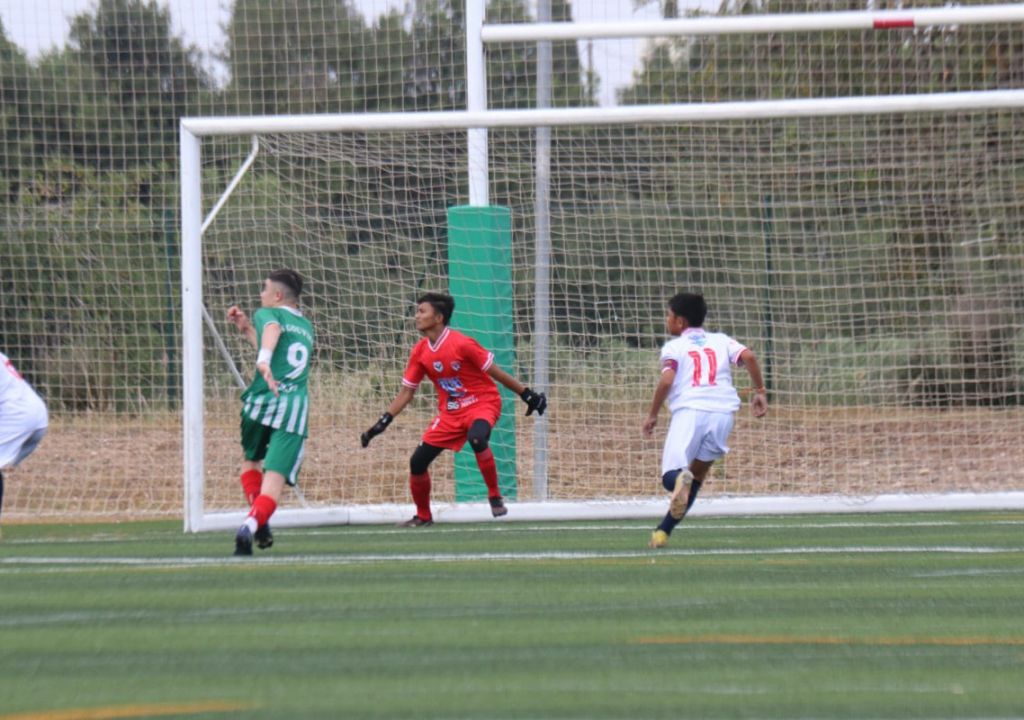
(449, 430)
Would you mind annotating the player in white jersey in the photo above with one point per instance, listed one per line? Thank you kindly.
(23, 418)
(696, 381)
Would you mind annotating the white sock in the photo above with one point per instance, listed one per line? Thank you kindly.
(250, 522)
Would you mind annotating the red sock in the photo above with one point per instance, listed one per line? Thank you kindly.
(252, 481)
(262, 508)
(489, 469)
(420, 487)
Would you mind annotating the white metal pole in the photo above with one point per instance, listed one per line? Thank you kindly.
(254, 150)
(636, 114)
(542, 262)
(476, 101)
(192, 327)
(757, 24)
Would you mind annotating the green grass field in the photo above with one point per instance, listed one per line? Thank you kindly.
(855, 616)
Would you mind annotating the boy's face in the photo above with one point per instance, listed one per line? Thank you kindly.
(427, 318)
(270, 295)
(674, 324)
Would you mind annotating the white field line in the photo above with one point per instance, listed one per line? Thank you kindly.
(25, 562)
(122, 615)
(509, 528)
(967, 572)
(690, 527)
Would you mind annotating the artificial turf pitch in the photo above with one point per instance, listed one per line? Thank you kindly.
(851, 616)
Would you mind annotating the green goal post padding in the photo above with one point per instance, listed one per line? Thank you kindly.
(480, 280)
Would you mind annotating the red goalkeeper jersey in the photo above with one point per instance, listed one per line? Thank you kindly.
(457, 365)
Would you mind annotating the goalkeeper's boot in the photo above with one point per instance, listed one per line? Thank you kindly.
(263, 537)
(243, 541)
(677, 506)
(659, 539)
(498, 508)
(415, 522)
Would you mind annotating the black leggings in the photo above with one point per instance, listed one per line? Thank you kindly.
(478, 436)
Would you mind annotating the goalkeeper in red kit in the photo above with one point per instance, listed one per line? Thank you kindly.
(468, 402)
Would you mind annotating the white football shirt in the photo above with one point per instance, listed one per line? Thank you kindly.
(703, 363)
(21, 409)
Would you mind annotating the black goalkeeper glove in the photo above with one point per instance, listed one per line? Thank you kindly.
(534, 401)
(378, 427)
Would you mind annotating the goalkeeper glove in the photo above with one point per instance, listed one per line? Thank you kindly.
(378, 427)
(534, 401)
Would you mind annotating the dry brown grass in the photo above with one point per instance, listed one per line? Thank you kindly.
(94, 466)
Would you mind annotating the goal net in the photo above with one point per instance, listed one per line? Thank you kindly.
(873, 260)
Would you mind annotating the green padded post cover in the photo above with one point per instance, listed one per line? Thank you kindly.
(480, 280)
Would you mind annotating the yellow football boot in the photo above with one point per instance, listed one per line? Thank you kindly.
(659, 539)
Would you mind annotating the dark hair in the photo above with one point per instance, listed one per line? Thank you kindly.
(442, 304)
(690, 306)
(290, 279)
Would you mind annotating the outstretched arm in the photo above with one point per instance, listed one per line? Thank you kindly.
(403, 398)
(505, 379)
(534, 400)
(660, 393)
(759, 402)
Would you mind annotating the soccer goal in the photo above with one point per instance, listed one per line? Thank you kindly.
(869, 249)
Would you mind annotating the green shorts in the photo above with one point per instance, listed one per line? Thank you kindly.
(280, 451)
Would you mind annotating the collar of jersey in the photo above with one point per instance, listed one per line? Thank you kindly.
(294, 311)
(693, 330)
(440, 339)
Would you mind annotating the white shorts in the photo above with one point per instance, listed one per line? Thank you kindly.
(695, 435)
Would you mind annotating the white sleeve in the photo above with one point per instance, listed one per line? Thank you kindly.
(668, 359)
(735, 349)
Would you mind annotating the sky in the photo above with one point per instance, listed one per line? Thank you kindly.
(41, 25)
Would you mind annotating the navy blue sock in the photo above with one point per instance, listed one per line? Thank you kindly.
(668, 480)
(668, 523)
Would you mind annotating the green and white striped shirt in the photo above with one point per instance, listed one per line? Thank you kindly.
(289, 410)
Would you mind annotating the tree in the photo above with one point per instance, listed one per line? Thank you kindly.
(147, 77)
(387, 79)
(14, 80)
(91, 221)
(297, 56)
(512, 67)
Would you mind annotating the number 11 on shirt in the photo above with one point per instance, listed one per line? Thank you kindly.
(697, 369)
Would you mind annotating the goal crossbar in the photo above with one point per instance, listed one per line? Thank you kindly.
(634, 114)
(755, 24)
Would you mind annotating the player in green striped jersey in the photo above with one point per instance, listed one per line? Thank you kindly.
(275, 406)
